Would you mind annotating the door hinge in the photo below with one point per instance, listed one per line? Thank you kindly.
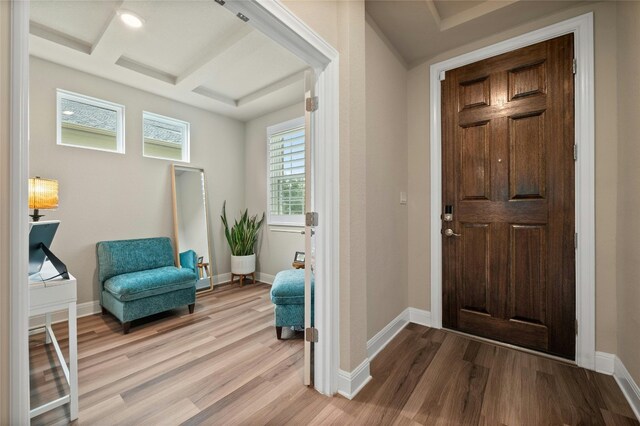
(576, 326)
(312, 104)
(311, 335)
(575, 65)
(443, 75)
(575, 241)
(575, 152)
(311, 219)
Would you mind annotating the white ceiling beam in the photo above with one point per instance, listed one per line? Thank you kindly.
(215, 96)
(484, 8)
(115, 36)
(58, 37)
(267, 90)
(200, 71)
(434, 12)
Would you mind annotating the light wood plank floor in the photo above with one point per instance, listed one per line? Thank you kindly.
(223, 365)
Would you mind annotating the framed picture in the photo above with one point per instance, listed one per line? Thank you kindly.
(299, 257)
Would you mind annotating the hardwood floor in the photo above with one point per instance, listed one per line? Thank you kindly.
(223, 365)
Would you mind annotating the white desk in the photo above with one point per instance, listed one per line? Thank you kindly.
(47, 297)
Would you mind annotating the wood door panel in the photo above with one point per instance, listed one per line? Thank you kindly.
(475, 267)
(528, 80)
(474, 93)
(475, 179)
(522, 106)
(518, 211)
(527, 273)
(527, 168)
(513, 332)
(508, 174)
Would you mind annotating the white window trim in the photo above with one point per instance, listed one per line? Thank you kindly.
(120, 145)
(281, 220)
(186, 148)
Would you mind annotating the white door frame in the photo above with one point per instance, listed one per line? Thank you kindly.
(274, 19)
(582, 28)
(18, 217)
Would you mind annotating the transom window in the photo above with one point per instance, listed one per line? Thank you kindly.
(286, 181)
(165, 138)
(86, 122)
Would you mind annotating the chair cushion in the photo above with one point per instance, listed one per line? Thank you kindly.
(288, 287)
(137, 285)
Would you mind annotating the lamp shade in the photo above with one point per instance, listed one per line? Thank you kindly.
(43, 193)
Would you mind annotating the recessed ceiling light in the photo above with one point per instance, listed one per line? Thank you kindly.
(131, 19)
(68, 112)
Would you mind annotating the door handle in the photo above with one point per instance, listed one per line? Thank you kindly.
(449, 233)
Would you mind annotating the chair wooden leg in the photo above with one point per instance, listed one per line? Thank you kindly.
(192, 307)
(125, 327)
(279, 332)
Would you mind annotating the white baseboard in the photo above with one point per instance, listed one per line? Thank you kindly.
(260, 276)
(222, 278)
(386, 335)
(82, 309)
(350, 383)
(420, 317)
(629, 387)
(265, 278)
(605, 363)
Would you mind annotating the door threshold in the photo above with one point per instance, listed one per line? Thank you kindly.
(510, 346)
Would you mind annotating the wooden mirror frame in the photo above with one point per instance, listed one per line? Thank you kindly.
(176, 249)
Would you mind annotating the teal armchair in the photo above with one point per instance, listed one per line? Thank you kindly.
(139, 278)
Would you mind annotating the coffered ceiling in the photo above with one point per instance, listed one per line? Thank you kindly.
(422, 29)
(196, 52)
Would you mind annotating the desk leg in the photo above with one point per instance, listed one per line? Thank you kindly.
(73, 362)
(47, 321)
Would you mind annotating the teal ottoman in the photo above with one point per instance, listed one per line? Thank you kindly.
(287, 294)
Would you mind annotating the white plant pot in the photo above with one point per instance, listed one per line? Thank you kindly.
(243, 265)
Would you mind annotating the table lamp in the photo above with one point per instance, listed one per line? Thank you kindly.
(43, 194)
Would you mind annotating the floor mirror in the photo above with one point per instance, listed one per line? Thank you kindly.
(191, 224)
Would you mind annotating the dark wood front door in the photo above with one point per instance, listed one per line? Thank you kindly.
(508, 182)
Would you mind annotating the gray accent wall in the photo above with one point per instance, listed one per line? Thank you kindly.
(109, 196)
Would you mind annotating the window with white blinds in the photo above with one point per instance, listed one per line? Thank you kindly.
(286, 185)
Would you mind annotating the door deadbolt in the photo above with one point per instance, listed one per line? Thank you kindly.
(448, 213)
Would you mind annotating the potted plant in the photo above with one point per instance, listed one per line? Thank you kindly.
(242, 238)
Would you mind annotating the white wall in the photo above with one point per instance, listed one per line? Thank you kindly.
(107, 196)
(628, 249)
(386, 161)
(275, 248)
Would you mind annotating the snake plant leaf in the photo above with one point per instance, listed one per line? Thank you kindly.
(244, 233)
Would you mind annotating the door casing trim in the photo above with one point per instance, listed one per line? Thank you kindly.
(582, 29)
